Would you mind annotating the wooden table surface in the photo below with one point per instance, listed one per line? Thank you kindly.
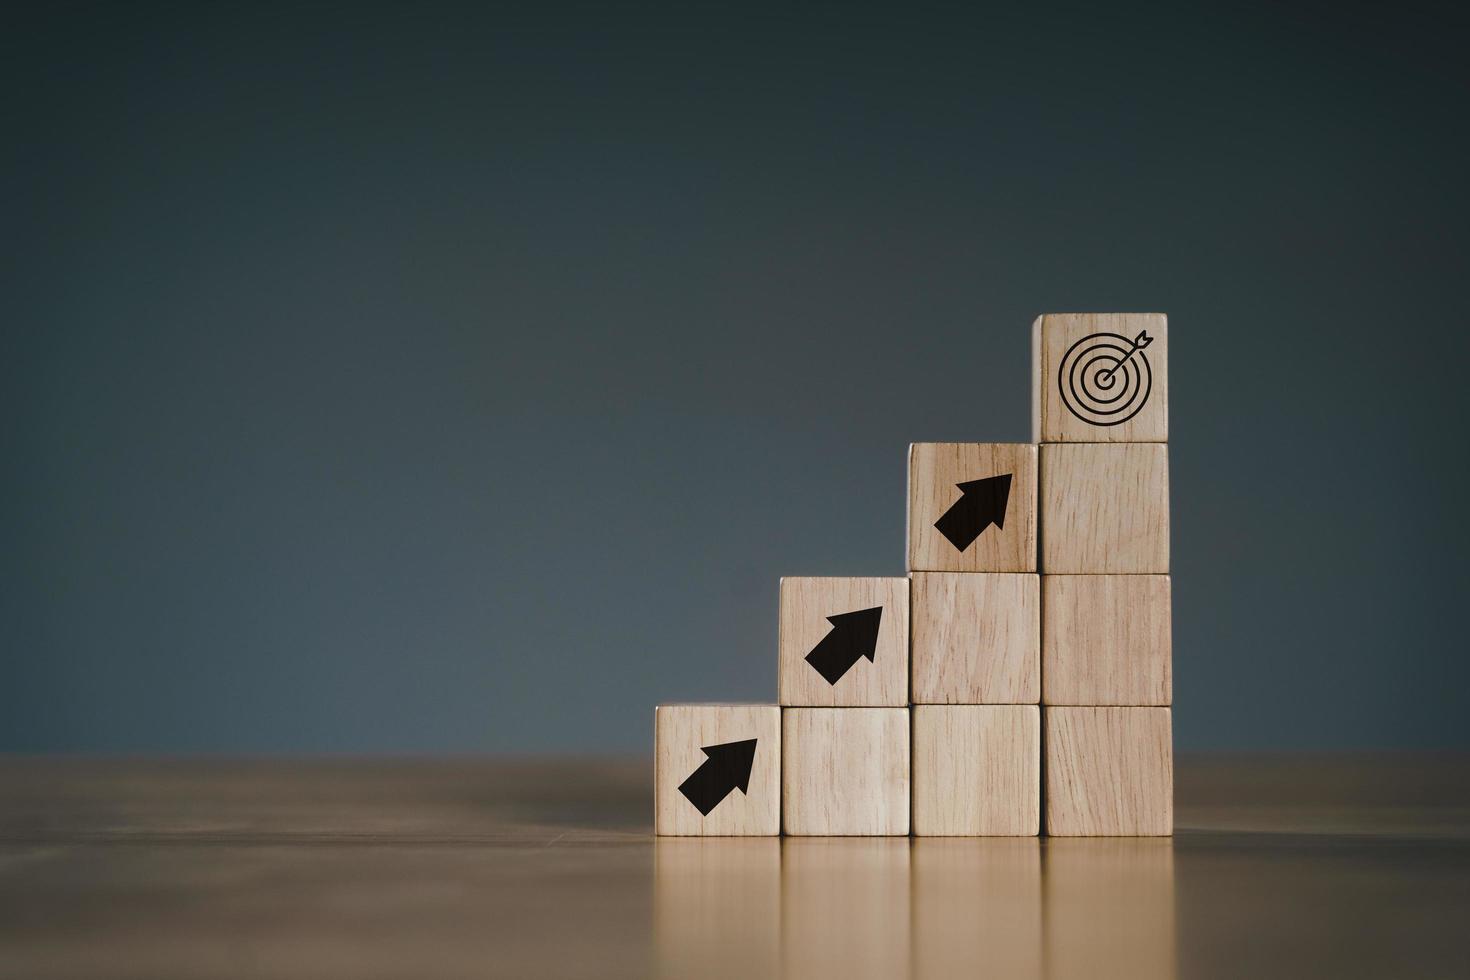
(1281, 867)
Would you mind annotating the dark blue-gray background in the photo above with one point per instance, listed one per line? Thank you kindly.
(414, 378)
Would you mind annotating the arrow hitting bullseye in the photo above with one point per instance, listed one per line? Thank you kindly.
(1105, 378)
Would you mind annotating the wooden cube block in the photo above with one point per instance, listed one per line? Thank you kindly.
(1106, 640)
(1105, 509)
(1109, 772)
(717, 769)
(972, 507)
(975, 638)
(1100, 377)
(845, 771)
(977, 770)
(844, 641)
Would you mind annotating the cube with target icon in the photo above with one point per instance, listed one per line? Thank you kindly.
(1100, 377)
(844, 642)
(972, 507)
(717, 770)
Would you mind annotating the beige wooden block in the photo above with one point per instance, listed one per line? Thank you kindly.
(1100, 377)
(1106, 640)
(844, 908)
(717, 769)
(717, 907)
(1110, 909)
(844, 642)
(1109, 772)
(1105, 509)
(977, 908)
(977, 770)
(845, 771)
(972, 507)
(976, 637)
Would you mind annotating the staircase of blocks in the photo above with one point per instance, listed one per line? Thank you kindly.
(1018, 679)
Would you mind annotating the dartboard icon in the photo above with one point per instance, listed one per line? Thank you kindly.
(1105, 378)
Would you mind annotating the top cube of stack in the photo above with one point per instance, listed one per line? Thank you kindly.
(1100, 377)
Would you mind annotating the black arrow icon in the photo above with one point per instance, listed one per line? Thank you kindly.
(982, 503)
(728, 767)
(853, 636)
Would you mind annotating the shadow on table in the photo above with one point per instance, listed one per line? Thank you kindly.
(891, 907)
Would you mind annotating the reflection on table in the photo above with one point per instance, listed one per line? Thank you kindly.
(930, 907)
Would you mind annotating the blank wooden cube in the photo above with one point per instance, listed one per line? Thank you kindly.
(1109, 772)
(975, 638)
(1105, 509)
(972, 507)
(1106, 640)
(845, 771)
(977, 770)
(717, 769)
(1100, 377)
(844, 642)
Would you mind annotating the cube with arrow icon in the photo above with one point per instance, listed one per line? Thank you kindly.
(972, 507)
(717, 770)
(844, 642)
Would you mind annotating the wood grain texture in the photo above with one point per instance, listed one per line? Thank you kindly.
(806, 604)
(1106, 640)
(977, 770)
(935, 469)
(1054, 334)
(976, 637)
(680, 733)
(845, 771)
(1109, 772)
(1105, 509)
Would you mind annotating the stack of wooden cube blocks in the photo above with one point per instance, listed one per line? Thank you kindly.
(1031, 636)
